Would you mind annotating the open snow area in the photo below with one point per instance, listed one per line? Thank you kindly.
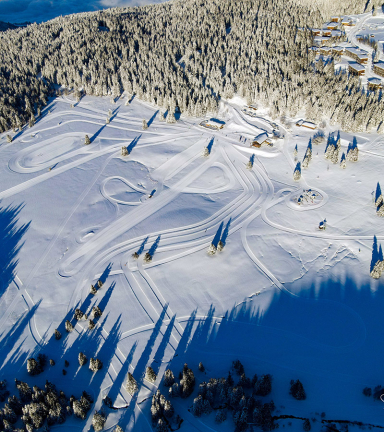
(44, 10)
(282, 296)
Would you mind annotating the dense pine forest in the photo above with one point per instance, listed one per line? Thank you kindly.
(186, 54)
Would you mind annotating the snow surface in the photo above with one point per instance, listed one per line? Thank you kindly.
(43, 10)
(298, 302)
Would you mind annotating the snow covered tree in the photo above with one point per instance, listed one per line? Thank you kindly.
(95, 364)
(187, 383)
(171, 116)
(212, 249)
(206, 152)
(145, 125)
(378, 196)
(131, 384)
(124, 151)
(169, 378)
(82, 359)
(297, 390)
(93, 290)
(161, 426)
(264, 385)
(150, 375)
(343, 162)
(100, 283)
(98, 421)
(118, 429)
(305, 162)
(68, 326)
(295, 151)
(9, 139)
(297, 172)
(201, 367)
(87, 140)
(97, 312)
(33, 366)
(197, 407)
(78, 315)
(57, 334)
(168, 409)
(162, 117)
(174, 390)
(91, 324)
(221, 415)
(353, 151)
(147, 257)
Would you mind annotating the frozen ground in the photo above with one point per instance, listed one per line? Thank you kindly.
(44, 10)
(283, 297)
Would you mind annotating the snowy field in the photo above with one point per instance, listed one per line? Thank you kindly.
(282, 296)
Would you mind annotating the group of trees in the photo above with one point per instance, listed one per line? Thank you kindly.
(224, 395)
(36, 407)
(184, 54)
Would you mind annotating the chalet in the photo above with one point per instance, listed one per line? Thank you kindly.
(335, 19)
(337, 50)
(307, 124)
(332, 26)
(327, 32)
(378, 68)
(316, 32)
(336, 34)
(374, 84)
(357, 54)
(260, 139)
(325, 50)
(346, 21)
(213, 124)
(356, 69)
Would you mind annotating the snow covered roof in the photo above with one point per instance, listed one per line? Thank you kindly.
(357, 67)
(261, 137)
(379, 64)
(374, 80)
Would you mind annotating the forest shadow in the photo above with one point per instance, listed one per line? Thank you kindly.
(11, 234)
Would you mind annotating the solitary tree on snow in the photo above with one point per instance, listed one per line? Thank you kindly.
(145, 125)
(87, 140)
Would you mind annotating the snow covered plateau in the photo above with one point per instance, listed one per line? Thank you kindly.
(282, 296)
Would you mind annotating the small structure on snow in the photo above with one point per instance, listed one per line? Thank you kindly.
(213, 124)
(305, 123)
(323, 224)
(261, 139)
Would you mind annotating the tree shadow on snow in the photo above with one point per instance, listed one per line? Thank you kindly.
(10, 240)
(133, 144)
(152, 118)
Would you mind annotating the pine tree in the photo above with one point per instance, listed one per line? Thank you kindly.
(82, 359)
(297, 390)
(57, 334)
(68, 326)
(145, 125)
(297, 172)
(9, 139)
(169, 378)
(87, 140)
(98, 421)
(131, 384)
(95, 364)
(150, 375)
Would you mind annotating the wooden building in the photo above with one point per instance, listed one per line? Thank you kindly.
(335, 19)
(378, 68)
(356, 69)
(357, 54)
(259, 140)
(374, 84)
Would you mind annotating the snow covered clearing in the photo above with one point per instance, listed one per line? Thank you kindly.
(281, 295)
